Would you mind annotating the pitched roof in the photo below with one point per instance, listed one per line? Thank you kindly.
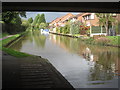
(84, 14)
(55, 21)
(66, 17)
(76, 16)
(62, 19)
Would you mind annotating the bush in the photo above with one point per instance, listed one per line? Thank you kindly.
(13, 28)
(102, 40)
(89, 41)
(84, 29)
(61, 29)
(57, 30)
(75, 29)
(42, 26)
(66, 29)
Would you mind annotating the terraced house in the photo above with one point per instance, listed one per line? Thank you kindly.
(60, 22)
(88, 19)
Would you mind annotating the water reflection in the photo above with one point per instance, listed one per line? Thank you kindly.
(39, 39)
(84, 64)
(103, 60)
(34, 37)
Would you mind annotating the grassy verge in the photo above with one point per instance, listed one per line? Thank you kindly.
(11, 51)
(114, 40)
(14, 53)
(7, 40)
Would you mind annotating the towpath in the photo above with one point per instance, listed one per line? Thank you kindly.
(30, 72)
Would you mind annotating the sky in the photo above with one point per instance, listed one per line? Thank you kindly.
(49, 16)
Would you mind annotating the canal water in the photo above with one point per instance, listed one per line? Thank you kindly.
(83, 65)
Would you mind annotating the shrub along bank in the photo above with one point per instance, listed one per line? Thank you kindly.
(106, 40)
(73, 28)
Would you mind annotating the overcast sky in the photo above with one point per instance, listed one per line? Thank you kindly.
(49, 16)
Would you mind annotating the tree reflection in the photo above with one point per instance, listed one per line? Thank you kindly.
(103, 68)
(39, 39)
(18, 45)
(102, 60)
(33, 36)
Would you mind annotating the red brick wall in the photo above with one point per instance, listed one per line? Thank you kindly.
(94, 22)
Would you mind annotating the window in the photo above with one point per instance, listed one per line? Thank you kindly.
(92, 16)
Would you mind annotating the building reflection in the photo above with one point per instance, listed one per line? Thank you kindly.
(103, 61)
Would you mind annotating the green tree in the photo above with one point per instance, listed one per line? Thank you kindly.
(39, 22)
(30, 20)
(25, 23)
(66, 29)
(12, 21)
(106, 19)
(42, 17)
(36, 19)
(11, 17)
(42, 26)
(75, 27)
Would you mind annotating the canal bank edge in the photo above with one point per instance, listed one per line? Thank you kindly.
(83, 39)
(14, 40)
(60, 81)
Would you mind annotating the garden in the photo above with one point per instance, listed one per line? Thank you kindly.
(107, 30)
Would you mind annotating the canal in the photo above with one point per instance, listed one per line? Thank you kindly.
(83, 65)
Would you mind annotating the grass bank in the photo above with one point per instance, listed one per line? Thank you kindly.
(105, 41)
(7, 40)
(15, 53)
(11, 51)
(114, 40)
